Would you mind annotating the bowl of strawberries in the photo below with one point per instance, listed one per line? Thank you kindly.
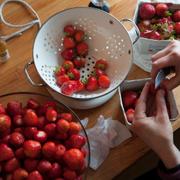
(41, 138)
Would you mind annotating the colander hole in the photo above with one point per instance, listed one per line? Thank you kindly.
(88, 75)
(87, 69)
(89, 58)
(82, 71)
(88, 64)
(37, 56)
(129, 51)
(82, 76)
(93, 62)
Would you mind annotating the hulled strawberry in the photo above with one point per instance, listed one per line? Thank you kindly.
(30, 164)
(35, 175)
(50, 129)
(66, 116)
(77, 141)
(44, 166)
(104, 81)
(29, 132)
(14, 108)
(69, 174)
(20, 174)
(32, 104)
(40, 136)
(18, 120)
(2, 109)
(55, 171)
(62, 126)
(74, 128)
(6, 152)
(49, 149)
(30, 118)
(16, 139)
(5, 123)
(51, 115)
(19, 153)
(60, 151)
(11, 165)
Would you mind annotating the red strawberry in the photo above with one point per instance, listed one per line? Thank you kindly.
(44, 166)
(60, 151)
(51, 115)
(16, 139)
(68, 54)
(55, 171)
(19, 153)
(6, 152)
(69, 87)
(104, 81)
(147, 11)
(14, 108)
(67, 65)
(35, 175)
(61, 79)
(49, 149)
(161, 9)
(82, 49)
(40, 136)
(60, 71)
(69, 174)
(92, 84)
(29, 132)
(155, 35)
(74, 128)
(68, 42)
(101, 64)
(74, 159)
(176, 16)
(62, 126)
(130, 115)
(50, 129)
(32, 104)
(80, 86)
(41, 122)
(66, 116)
(6, 139)
(73, 74)
(32, 148)
(144, 25)
(2, 109)
(69, 30)
(18, 120)
(99, 72)
(61, 136)
(20, 174)
(177, 28)
(79, 62)
(19, 130)
(5, 123)
(11, 165)
(30, 164)
(79, 35)
(77, 141)
(30, 118)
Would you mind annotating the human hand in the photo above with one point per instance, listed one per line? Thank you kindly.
(168, 57)
(156, 131)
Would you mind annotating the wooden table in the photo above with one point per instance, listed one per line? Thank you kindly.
(12, 78)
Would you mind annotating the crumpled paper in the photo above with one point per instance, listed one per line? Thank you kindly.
(105, 134)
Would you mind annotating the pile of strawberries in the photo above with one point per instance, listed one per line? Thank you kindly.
(157, 21)
(39, 142)
(74, 53)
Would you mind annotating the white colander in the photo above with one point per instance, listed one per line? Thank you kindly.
(106, 36)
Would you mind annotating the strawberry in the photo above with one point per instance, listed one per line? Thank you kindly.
(74, 128)
(69, 174)
(99, 72)
(79, 35)
(177, 27)
(101, 64)
(35, 175)
(18, 120)
(61, 136)
(60, 151)
(77, 141)
(69, 87)
(29, 132)
(51, 115)
(161, 9)
(50, 129)
(44, 166)
(11, 165)
(73, 74)
(130, 115)
(40, 136)
(49, 149)
(20, 174)
(66, 116)
(84, 151)
(74, 159)
(68, 54)
(92, 84)
(61, 79)
(16, 139)
(155, 35)
(32, 104)
(62, 126)
(19, 153)
(6, 152)
(104, 81)
(5, 123)
(144, 25)
(82, 49)
(41, 122)
(6, 139)
(176, 16)
(67, 65)
(14, 108)
(30, 164)
(55, 171)
(69, 30)
(30, 118)
(79, 62)
(60, 71)
(147, 11)
(68, 42)
(80, 86)
(32, 149)
(2, 109)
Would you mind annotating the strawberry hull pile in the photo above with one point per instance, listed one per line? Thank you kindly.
(74, 54)
(38, 142)
(158, 22)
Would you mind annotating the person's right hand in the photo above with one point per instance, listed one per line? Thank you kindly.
(168, 57)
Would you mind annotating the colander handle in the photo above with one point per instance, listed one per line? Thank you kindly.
(28, 76)
(131, 32)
